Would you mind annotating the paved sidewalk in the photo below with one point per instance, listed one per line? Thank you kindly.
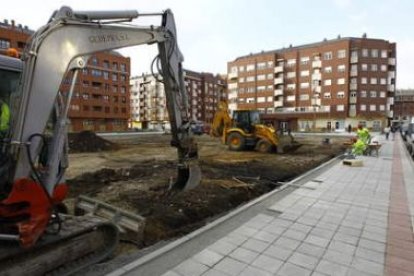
(344, 221)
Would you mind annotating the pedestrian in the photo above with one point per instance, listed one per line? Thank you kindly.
(387, 132)
(349, 128)
(4, 118)
(393, 130)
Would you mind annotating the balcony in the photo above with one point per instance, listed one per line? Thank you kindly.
(278, 92)
(353, 86)
(391, 74)
(354, 73)
(390, 100)
(278, 81)
(278, 103)
(391, 87)
(232, 76)
(352, 100)
(315, 102)
(352, 110)
(354, 59)
(279, 69)
(317, 64)
(317, 89)
(392, 61)
(316, 76)
(390, 113)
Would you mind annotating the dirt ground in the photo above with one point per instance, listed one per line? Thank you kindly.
(137, 175)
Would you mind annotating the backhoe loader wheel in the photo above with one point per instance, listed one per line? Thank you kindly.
(263, 146)
(236, 141)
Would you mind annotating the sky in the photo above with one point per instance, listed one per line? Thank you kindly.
(213, 32)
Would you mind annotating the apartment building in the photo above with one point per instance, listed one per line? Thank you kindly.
(148, 103)
(404, 105)
(327, 85)
(101, 97)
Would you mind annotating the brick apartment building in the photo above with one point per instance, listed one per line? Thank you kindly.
(148, 103)
(320, 86)
(404, 105)
(101, 97)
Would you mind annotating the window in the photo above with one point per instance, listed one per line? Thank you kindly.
(241, 90)
(4, 43)
(304, 97)
(290, 75)
(250, 78)
(383, 81)
(241, 69)
(304, 73)
(106, 64)
(327, 82)
(114, 77)
(290, 86)
(233, 69)
(94, 61)
(384, 53)
(373, 81)
(341, 53)
(269, 64)
(123, 67)
(85, 96)
(382, 107)
(341, 68)
(250, 90)
(340, 81)
(250, 100)
(106, 75)
(304, 85)
(96, 73)
(374, 67)
(363, 94)
(327, 95)
(372, 94)
(123, 78)
(261, 88)
(304, 60)
(353, 94)
(383, 67)
(364, 80)
(261, 65)
(340, 95)
(241, 80)
(261, 99)
(123, 89)
(85, 83)
(269, 76)
(374, 53)
(250, 67)
(114, 88)
(114, 66)
(327, 55)
(363, 107)
(261, 77)
(270, 99)
(74, 107)
(383, 94)
(354, 54)
(290, 98)
(291, 62)
(327, 69)
(269, 87)
(364, 67)
(365, 52)
(340, 107)
(372, 107)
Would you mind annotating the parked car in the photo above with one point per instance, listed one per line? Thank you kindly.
(197, 128)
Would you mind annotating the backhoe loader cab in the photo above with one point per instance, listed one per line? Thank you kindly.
(246, 119)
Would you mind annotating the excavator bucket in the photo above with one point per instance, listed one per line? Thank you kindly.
(287, 144)
(188, 177)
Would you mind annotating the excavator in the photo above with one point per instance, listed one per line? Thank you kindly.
(36, 236)
(245, 131)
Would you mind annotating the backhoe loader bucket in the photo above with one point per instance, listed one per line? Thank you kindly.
(287, 144)
(188, 177)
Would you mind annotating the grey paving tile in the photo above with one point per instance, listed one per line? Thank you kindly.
(289, 216)
(256, 245)
(327, 225)
(243, 255)
(337, 257)
(330, 268)
(342, 247)
(367, 266)
(235, 238)
(346, 238)
(315, 273)
(213, 272)
(301, 227)
(370, 255)
(294, 234)
(267, 263)
(378, 223)
(245, 231)
(308, 221)
(286, 243)
(230, 266)
(289, 269)
(208, 257)
(374, 236)
(353, 272)
(222, 247)
(349, 231)
(303, 260)
(256, 224)
(249, 271)
(190, 268)
(323, 233)
(278, 252)
(281, 222)
(375, 229)
(265, 236)
(170, 273)
(318, 241)
(274, 229)
(311, 250)
(372, 245)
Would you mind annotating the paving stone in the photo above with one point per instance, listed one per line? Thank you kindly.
(374, 236)
(289, 216)
(318, 241)
(190, 268)
(266, 236)
(222, 247)
(346, 238)
(294, 234)
(208, 257)
(170, 273)
(311, 250)
(249, 271)
(243, 255)
(323, 233)
(337, 257)
(372, 245)
(367, 266)
(281, 222)
(245, 231)
(308, 221)
(353, 272)
(327, 225)
(330, 268)
(235, 238)
(349, 231)
(230, 266)
(256, 245)
(278, 252)
(274, 229)
(370, 255)
(286, 243)
(342, 247)
(301, 227)
(213, 272)
(267, 263)
(303, 260)
(289, 269)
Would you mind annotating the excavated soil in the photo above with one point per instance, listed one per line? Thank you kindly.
(88, 141)
(136, 178)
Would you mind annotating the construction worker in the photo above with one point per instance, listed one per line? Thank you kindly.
(4, 118)
(363, 139)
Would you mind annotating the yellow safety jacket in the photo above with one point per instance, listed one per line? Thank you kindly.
(4, 117)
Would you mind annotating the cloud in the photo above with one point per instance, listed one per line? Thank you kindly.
(343, 4)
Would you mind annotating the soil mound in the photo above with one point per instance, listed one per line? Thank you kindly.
(88, 141)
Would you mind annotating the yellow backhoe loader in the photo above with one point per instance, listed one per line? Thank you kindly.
(244, 131)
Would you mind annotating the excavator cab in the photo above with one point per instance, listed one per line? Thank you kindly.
(246, 119)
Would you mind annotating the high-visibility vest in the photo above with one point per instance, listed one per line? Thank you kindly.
(4, 116)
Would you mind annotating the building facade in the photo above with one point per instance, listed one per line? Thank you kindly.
(404, 105)
(148, 102)
(321, 86)
(101, 97)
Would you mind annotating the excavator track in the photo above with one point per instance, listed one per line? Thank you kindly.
(82, 241)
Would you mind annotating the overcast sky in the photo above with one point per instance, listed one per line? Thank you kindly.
(213, 32)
